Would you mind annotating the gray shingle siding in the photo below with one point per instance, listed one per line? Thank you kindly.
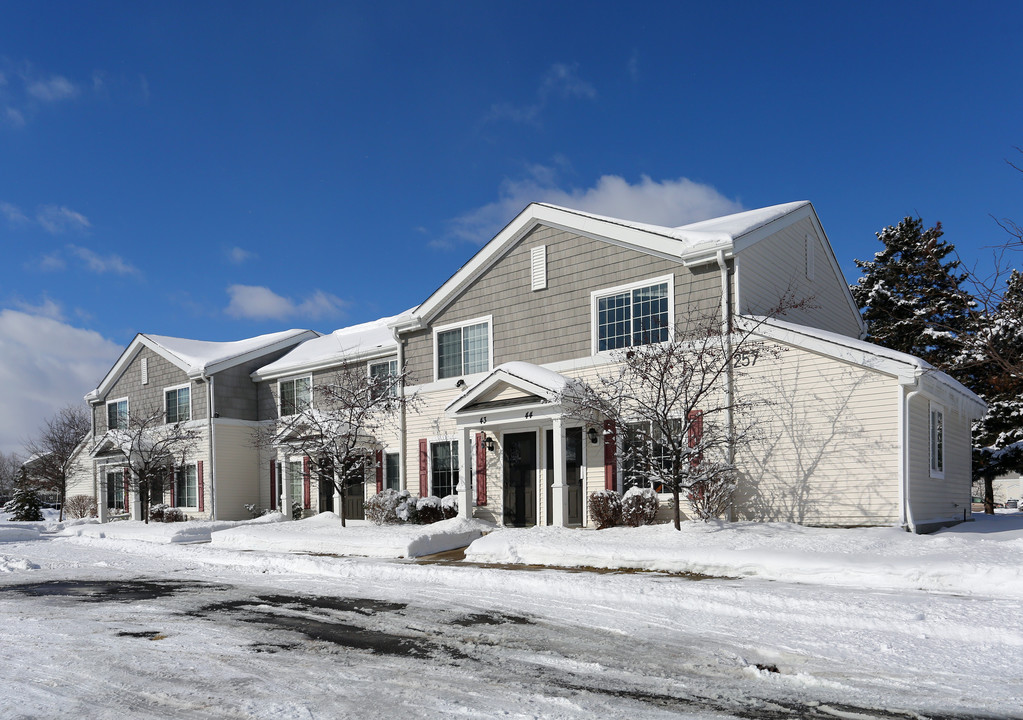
(149, 398)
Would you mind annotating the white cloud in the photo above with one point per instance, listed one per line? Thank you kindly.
(239, 255)
(258, 302)
(48, 309)
(561, 80)
(667, 202)
(45, 364)
(13, 213)
(15, 118)
(58, 219)
(100, 264)
(53, 89)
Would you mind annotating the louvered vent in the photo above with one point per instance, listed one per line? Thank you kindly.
(538, 267)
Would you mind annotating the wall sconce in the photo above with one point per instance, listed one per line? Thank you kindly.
(460, 384)
(592, 435)
(489, 443)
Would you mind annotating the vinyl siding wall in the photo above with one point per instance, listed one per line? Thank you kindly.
(149, 398)
(828, 447)
(236, 470)
(778, 262)
(939, 499)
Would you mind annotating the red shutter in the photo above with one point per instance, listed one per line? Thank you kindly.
(610, 449)
(201, 490)
(173, 497)
(424, 469)
(695, 434)
(481, 470)
(273, 485)
(305, 483)
(127, 486)
(380, 470)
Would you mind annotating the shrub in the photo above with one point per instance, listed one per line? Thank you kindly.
(382, 508)
(605, 508)
(407, 508)
(156, 512)
(449, 506)
(25, 506)
(80, 506)
(639, 506)
(256, 511)
(710, 492)
(428, 510)
(173, 515)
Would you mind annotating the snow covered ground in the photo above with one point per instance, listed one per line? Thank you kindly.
(812, 623)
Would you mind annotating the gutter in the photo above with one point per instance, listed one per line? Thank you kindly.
(213, 445)
(726, 330)
(402, 443)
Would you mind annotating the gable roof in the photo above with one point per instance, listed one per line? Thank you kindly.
(359, 342)
(198, 358)
(693, 244)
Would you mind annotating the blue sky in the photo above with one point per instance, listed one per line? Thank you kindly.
(221, 170)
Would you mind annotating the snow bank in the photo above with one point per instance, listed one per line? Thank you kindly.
(324, 534)
(19, 532)
(974, 557)
(190, 531)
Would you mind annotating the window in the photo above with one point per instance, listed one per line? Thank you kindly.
(463, 350)
(186, 487)
(295, 395)
(381, 382)
(392, 471)
(937, 435)
(443, 468)
(643, 451)
(178, 403)
(115, 488)
(295, 477)
(117, 414)
(633, 315)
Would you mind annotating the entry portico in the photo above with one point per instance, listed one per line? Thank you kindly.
(516, 403)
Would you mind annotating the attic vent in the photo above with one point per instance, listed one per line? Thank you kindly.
(809, 257)
(538, 267)
(145, 371)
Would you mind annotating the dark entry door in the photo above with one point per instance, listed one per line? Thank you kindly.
(326, 485)
(354, 497)
(573, 475)
(520, 479)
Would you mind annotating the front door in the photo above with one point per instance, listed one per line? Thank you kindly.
(355, 496)
(520, 479)
(326, 494)
(573, 475)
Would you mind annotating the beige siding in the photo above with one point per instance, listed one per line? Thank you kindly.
(237, 472)
(827, 446)
(938, 499)
(778, 263)
(552, 325)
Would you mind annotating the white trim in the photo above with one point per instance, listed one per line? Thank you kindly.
(127, 411)
(186, 386)
(628, 287)
(144, 366)
(939, 409)
(486, 319)
(194, 464)
(393, 390)
(430, 441)
(290, 379)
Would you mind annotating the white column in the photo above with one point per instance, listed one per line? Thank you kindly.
(286, 498)
(136, 497)
(465, 475)
(337, 494)
(559, 491)
(102, 511)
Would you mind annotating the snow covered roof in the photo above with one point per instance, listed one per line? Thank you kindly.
(358, 342)
(537, 383)
(200, 357)
(909, 369)
(692, 244)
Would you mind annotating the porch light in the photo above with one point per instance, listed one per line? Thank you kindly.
(592, 435)
(490, 444)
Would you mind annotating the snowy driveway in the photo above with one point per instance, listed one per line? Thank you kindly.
(168, 631)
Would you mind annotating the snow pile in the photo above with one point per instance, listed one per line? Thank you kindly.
(191, 531)
(324, 534)
(12, 564)
(18, 532)
(973, 557)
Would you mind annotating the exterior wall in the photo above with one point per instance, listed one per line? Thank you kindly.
(827, 447)
(934, 501)
(552, 325)
(237, 473)
(234, 391)
(778, 262)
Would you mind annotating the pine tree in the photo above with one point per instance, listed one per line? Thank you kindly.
(26, 505)
(910, 296)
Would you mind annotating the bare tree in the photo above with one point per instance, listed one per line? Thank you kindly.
(150, 449)
(339, 432)
(53, 457)
(10, 469)
(673, 409)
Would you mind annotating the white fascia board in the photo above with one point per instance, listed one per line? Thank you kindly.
(497, 376)
(288, 342)
(326, 363)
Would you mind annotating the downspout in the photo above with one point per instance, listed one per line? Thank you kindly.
(905, 506)
(726, 330)
(213, 445)
(402, 464)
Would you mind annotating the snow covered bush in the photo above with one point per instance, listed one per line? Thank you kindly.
(605, 508)
(80, 506)
(173, 515)
(156, 512)
(255, 511)
(639, 506)
(429, 510)
(24, 506)
(449, 506)
(710, 493)
(382, 508)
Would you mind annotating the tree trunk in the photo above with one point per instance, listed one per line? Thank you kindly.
(676, 511)
(343, 498)
(989, 496)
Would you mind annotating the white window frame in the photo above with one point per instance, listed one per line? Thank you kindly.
(390, 361)
(105, 471)
(186, 386)
(936, 456)
(127, 410)
(596, 295)
(430, 442)
(280, 395)
(185, 467)
(386, 475)
(488, 320)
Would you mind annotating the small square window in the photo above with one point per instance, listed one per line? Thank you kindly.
(295, 395)
(179, 407)
(117, 414)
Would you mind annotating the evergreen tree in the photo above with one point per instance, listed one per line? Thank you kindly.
(26, 505)
(910, 296)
